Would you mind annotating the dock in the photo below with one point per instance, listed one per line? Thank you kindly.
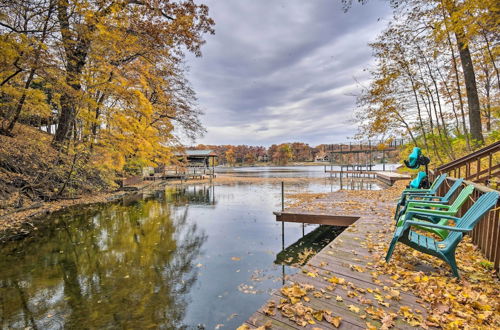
(386, 177)
(353, 173)
(391, 177)
(348, 260)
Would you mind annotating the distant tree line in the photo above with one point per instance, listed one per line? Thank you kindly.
(278, 154)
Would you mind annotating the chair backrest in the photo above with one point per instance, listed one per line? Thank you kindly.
(461, 198)
(453, 188)
(438, 182)
(474, 214)
(478, 209)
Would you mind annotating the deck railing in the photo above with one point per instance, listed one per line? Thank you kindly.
(486, 234)
(481, 166)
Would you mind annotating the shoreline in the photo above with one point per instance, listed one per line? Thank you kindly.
(18, 224)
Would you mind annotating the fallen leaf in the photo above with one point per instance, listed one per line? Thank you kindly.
(354, 309)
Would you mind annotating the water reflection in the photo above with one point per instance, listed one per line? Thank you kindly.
(127, 266)
(174, 258)
(315, 241)
(194, 194)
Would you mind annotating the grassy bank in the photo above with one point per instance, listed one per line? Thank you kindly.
(32, 171)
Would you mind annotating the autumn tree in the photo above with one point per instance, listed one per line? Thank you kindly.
(250, 158)
(108, 75)
(282, 154)
(230, 156)
(435, 64)
(24, 33)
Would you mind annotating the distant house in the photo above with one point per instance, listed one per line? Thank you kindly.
(322, 157)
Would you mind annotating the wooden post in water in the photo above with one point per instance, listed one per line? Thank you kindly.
(383, 159)
(370, 153)
(282, 209)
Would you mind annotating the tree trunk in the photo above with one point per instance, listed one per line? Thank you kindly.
(492, 58)
(21, 101)
(452, 102)
(457, 80)
(76, 55)
(471, 89)
(403, 121)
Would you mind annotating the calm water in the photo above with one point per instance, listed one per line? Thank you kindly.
(187, 256)
(312, 171)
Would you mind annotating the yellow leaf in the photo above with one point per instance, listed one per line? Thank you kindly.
(318, 315)
(336, 280)
(370, 326)
(354, 309)
(334, 320)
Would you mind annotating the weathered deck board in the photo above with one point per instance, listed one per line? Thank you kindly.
(336, 259)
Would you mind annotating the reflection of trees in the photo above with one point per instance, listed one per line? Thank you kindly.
(191, 194)
(112, 265)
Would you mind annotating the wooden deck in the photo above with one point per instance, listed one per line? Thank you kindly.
(351, 250)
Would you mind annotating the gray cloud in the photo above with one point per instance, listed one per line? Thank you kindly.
(283, 70)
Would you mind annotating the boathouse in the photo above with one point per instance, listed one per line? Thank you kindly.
(198, 158)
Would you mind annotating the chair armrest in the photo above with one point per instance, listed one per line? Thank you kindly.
(425, 204)
(410, 214)
(433, 225)
(429, 211)
(418, 191)
(411, 200)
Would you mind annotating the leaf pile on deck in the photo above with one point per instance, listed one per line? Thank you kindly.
(293, 308)
(471, 302)
(451, 303)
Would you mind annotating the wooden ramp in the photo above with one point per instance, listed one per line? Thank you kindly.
(343, 258)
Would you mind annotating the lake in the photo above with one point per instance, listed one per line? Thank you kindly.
(190, 256)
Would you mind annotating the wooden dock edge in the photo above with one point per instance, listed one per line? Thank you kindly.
(316, 218)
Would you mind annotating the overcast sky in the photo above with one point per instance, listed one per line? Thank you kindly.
(284, 70)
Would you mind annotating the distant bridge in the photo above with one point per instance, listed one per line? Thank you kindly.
(364, 146)
(343, 154)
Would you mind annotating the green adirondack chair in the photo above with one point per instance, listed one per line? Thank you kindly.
(431, 198)
(445, 249)
(423, 212)
(416, 192)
